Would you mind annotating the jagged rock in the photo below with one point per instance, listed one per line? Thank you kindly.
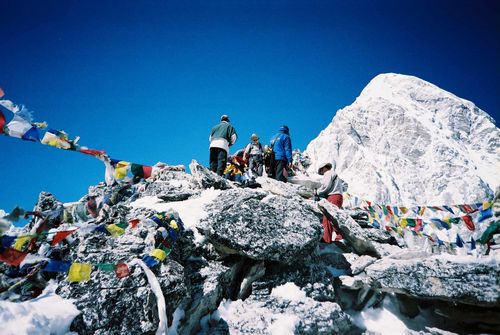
(261, 314)
(349, 229)
(260, 227)
(287, 190)
(359, 263)
(172, 185)
(207, 179)
(355, 283)
(208, 286)
(460, 279)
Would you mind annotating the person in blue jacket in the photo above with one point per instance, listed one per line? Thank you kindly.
(282, 147)
(222, 136)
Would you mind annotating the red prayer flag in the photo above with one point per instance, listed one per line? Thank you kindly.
(93, 152)
(12, 257)
(468, 222)
(61, 235)
(147, 171)
(2, 122)
(122, 270)
(389, 209)
(134, 222)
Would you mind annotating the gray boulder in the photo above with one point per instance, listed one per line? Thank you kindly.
(461, 280)
(207, 179)
(261, 227)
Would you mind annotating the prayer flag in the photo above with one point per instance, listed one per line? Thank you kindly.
(134, 222)
(12, 257)
(403, 222)
(459, 242)
(2, 93)
(173, 235)
(469, 209)
(174, 225)
(114, 230)
(102, 229)
(61, 235)
(106, 266)
(472, 244)
(32, 135)
(404, 210)
(485, 214)
(421, 211)
(57, 266)
(448, 208)
(411, 222)
(122, 225)
(93, 152)
(492, 229)
(122, 270)
(418, 226)
(159, 253)
(376, 224)
(468, 222)
(147, 170)
(79, 272)
(486, 205)
(150, 261)
(137, 170)
(7, 241)
(21, 241)
(2, 122)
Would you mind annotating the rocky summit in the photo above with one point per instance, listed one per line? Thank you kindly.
(243, 261)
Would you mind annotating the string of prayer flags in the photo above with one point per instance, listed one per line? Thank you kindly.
(23, 127)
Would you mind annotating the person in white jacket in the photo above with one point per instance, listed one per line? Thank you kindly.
(331, 189)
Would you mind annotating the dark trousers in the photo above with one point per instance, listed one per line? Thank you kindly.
(279, 170)
(218, 160)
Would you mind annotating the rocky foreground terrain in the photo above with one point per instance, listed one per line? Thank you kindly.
(241, 247)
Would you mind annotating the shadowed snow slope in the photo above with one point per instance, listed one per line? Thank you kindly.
(406, 141)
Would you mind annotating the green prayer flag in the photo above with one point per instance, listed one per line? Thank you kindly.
(122, 225)
(106, 267)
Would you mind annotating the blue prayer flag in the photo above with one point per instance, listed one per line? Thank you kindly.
(57, 266)
(487, 213)
(150, 261)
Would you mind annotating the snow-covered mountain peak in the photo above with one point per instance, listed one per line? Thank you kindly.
(407, 141)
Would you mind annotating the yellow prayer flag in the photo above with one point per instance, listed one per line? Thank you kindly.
(404, 210)
(403, 223)
(114, 230)
(173, 225)
(21, 242)
(79, 272)
(446, 219)
(486, 205)
(422, 211)
(160, 254)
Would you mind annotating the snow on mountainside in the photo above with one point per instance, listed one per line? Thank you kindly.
(406, 141)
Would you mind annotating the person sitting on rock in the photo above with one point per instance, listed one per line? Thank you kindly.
(235, 168)
(331, 189)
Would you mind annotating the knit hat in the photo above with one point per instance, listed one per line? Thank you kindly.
(224, 118)
(254, 136)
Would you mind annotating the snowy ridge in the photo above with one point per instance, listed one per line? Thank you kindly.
(406, 141)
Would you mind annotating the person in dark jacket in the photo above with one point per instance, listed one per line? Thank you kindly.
(222, 136)
(282, 147)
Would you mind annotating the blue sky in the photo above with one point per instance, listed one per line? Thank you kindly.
(146, 80)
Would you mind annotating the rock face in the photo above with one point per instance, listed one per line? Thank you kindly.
(406, 141)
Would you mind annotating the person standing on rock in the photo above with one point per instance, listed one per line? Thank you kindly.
(254, 154)
(222, 136)
(281, 144)
(331, 189)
